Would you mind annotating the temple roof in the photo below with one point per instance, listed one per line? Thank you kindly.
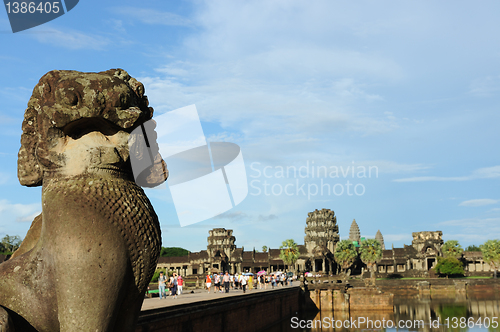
(167, 260)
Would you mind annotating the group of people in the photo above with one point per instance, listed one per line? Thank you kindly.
(223, 282)
(174, 285)
(243, 281)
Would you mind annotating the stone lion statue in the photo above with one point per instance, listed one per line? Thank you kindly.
(87, 259)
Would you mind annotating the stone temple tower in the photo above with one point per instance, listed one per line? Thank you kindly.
(354, 234)
(380, 239)
(220, 242)
(322, 232)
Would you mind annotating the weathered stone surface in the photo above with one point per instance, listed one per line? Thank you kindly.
(87, 259)
(321, 232)
(427, 244)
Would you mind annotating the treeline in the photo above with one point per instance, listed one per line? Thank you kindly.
(450, 264)
(173, 252)
(9, 244)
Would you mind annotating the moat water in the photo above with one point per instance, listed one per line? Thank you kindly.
(409, 314)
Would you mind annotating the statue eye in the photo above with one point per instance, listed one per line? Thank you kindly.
(122, 101)
(67, 97)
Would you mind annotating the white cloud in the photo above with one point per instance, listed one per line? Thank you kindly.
(485, 87)
(476, 225)
(28, 218)
(479, 202)
(388, 166)
(224, 137)
(231, 216)
(117, 25)
(432, 178)
(472, 230)
(18, 212)
(481, 173)
(267, 217)
(151, 16)
(486, 173)
(20, 94)
(70, 39)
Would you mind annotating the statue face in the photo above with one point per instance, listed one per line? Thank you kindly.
(100, 147)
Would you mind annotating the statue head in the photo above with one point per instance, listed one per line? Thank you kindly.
(79, 123)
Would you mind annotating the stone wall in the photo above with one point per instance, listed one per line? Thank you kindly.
(368, 299)
(440, 288)
(252, 312)
(354, 299)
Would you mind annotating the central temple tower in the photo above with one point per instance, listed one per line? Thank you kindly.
(321, 230)
(322, 234)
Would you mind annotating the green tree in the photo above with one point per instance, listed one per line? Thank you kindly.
(10, 243)
(451, 248)
(156, 275)
(472, 247)
(173, 252)
(370, 254)
(165, 273)
(449, 266)
(345, 254)
(264, 248)
(491, 254)
(289, 252)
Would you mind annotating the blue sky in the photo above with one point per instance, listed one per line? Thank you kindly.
(409, 89)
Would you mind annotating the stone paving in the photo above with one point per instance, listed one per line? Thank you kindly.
(199, 295)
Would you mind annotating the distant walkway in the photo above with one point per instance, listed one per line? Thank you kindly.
(200, 295)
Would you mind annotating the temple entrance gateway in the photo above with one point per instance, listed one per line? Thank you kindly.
(430, 263)
(318, 265)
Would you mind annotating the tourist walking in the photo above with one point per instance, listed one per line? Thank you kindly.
(161, 285)
(243, 283)
(217, 283)
(226, 282)
(173, 286)
(208, 282)
(180, 283)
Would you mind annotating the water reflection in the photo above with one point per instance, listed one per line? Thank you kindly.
(409, 314)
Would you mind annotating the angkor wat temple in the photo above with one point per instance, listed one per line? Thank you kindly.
(316, 254)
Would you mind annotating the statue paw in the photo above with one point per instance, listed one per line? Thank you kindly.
(5, 321)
